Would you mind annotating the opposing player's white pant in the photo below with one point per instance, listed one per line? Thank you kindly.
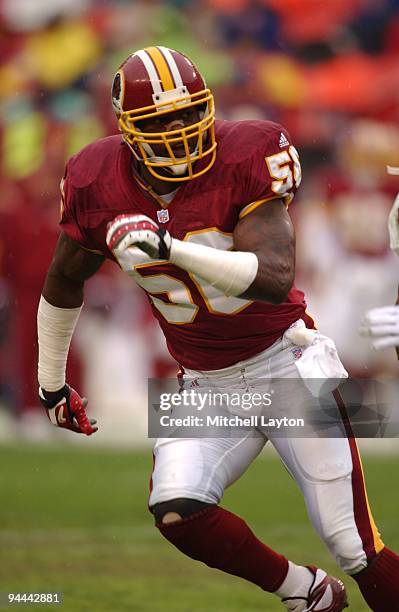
(327, 470)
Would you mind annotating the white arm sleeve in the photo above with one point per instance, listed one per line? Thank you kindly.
(232, 272)
(55, 327)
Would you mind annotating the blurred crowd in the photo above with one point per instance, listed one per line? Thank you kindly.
(328, 71)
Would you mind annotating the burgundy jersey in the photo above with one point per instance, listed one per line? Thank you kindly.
(204, 329)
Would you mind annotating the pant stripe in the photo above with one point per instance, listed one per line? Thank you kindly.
(366, 526)
(378, 543)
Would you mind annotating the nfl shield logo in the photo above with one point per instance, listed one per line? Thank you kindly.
(297, 352)
(163, 215)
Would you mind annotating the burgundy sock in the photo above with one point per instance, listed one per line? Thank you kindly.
(379, 583)
(224, 541)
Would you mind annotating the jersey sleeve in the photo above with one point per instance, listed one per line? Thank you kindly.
(274, 171)
(71, 212)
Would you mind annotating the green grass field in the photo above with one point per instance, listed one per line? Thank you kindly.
(75, 521)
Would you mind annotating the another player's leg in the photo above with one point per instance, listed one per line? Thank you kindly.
(330, 476)
(379, 580)
(188, 481)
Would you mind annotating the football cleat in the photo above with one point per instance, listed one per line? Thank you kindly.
(326, 594)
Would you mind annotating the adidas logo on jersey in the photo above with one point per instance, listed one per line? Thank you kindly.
(283, 142)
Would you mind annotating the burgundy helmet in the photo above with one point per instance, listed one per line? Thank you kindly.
(157, 81)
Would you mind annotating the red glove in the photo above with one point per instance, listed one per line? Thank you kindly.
(65, 408)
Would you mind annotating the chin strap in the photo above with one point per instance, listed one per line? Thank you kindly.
(176, 169)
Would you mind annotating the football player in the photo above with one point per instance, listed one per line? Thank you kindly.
(382, 324)
(195, 211)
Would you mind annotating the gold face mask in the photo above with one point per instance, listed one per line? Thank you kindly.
(194, 141)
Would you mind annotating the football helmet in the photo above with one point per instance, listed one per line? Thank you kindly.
(151, 83)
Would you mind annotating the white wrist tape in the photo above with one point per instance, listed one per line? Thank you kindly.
(232, 272)
(55, 327)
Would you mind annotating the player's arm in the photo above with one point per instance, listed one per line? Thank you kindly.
(70, 268)
(382, 324)
(261, 267)
(58, 313)
(269, 234)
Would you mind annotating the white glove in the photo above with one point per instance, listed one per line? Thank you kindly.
(140, 231)
(383, 325)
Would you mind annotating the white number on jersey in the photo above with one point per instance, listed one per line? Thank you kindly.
(279, 166)
(181, 308)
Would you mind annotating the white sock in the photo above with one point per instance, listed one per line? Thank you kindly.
(297, 582)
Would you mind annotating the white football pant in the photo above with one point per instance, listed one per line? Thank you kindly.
(327, 470)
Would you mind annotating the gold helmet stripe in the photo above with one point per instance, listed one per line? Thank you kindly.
(167, 53)
(162, 67)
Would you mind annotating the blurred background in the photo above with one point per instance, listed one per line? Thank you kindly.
(328, 71)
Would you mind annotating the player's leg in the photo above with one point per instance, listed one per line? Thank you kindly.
(379, 580)
(329, 473)
(188, 481)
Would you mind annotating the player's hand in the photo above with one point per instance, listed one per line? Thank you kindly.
(65, 408)
(140, 231)
(382, 325)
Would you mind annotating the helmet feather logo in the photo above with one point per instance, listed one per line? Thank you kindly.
(117, 93)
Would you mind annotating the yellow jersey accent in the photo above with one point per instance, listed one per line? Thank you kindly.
(288, 199)
(250, 207)
(312, 317)
(92, 250)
